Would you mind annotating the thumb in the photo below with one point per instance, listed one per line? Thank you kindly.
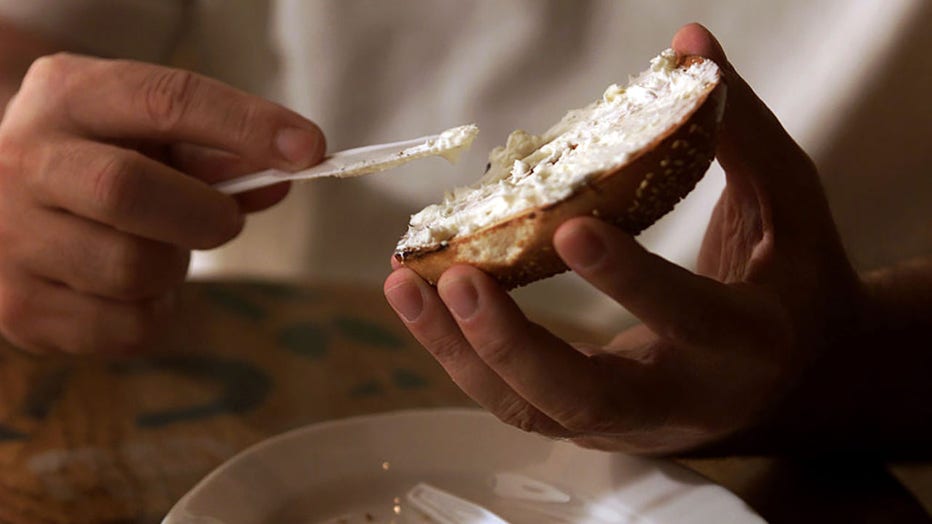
(759, 157)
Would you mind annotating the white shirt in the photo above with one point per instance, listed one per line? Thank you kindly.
(849, 80)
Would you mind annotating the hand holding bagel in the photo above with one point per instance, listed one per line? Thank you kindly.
(716, 350)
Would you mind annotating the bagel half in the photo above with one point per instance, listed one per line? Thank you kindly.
(627, 159)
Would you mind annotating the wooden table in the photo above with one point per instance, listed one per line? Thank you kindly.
(119, 440)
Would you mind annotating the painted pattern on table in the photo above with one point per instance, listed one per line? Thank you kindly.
(241, 384)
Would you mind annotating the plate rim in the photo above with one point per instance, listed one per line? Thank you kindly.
(172, 516)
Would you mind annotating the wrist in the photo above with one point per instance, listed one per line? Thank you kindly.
(898, 299)
(867, 390)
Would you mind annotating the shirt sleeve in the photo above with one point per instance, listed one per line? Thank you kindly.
(138, 29)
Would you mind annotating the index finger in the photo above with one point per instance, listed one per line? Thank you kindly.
(126, 99)
(583, 394)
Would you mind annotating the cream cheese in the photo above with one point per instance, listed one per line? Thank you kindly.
(449, 144)
(532, 171)
(452, 142)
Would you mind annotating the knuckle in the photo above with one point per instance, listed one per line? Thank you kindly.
(498, 352)
(245, 124)
(590, 418)
(167, 95)
(520, 414)
(128, 271)
(38, 169)
(113, 191)
(446, 348)
(48, 74)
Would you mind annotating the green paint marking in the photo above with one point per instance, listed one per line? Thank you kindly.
(46, 389)
(243, 386)
(8, 433)
(305, 338)
(406, 379)
(368, 333)
(235, 303)
(366, 389)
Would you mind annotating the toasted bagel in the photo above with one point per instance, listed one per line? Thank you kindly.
(626, 159)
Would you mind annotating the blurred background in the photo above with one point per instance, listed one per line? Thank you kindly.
(849, 80)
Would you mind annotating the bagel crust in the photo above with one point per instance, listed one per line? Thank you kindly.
(632, 195)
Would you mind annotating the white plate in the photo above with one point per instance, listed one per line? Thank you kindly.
(361, 469)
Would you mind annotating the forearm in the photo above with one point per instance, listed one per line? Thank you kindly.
(896, 338)
(902, 297)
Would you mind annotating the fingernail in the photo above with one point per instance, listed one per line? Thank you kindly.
(406, 299)
(298, 146)
(583, 249)
(461, 297)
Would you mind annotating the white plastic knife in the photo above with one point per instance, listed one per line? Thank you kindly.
(364, 160)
